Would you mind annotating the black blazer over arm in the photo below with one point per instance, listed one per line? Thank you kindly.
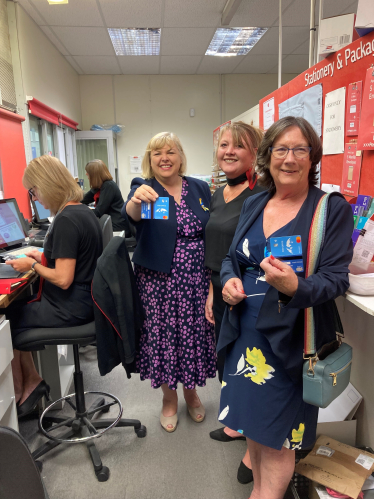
(156, 238)
(285, 329)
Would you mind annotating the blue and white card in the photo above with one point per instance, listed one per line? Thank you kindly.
(286, 246)
(146, 213)
(296, 265)
(161, 209)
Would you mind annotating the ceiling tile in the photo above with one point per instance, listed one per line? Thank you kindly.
(197, 13)
(185, 41)
(32, 12)
(132, 13)
(73, 63)
(291, 39)
(56, 42)
(99, 65)
(139, 65)
(85, 41)
(303, 48)
(333, 8)
(259, 13)
(75, 13)
(295, 63)
(257, 64)
(219, 65)
(175, 64)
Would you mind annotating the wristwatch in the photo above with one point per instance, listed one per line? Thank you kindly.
(33, 265)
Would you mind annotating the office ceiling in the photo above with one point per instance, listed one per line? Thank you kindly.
(79, 31)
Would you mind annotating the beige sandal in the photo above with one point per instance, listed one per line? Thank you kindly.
(166, 421)
(194, 412)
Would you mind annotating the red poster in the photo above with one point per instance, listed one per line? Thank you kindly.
(366, 133)
(352, 119)
(351, 170)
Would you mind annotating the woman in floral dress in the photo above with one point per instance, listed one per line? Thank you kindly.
(177, 343)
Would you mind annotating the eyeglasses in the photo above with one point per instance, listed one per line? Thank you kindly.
(31, 191)
(281, 152)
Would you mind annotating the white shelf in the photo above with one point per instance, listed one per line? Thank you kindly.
(365, 303)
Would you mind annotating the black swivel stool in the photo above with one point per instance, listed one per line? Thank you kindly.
(82, 428)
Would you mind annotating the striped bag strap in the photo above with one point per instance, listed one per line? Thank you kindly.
(315, 243)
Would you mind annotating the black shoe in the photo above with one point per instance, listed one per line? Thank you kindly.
(221, 436)
(245, 474)
(32, 400)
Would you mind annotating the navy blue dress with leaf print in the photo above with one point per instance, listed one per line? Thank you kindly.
(177, 344)
(258, 398)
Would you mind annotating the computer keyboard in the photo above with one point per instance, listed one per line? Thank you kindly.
(19, 253)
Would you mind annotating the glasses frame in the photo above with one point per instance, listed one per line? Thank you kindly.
(290, 149)
(31, 192)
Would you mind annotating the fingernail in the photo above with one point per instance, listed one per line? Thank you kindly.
(271, 256)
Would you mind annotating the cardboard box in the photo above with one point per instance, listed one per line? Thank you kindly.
(336, 33)
(365, 17)
(337, 466)
(343, 431)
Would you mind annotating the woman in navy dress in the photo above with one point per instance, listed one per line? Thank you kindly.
(263, 324)
(177, 343)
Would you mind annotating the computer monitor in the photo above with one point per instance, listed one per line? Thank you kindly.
(41, 214)
(11, 228)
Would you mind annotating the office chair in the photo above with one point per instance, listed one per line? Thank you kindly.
(105, 222)
(19, 477)
(82, 428)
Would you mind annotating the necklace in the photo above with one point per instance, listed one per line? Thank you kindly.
(232, 195)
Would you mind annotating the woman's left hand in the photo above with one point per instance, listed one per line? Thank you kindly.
(280, 275)
(21, 264)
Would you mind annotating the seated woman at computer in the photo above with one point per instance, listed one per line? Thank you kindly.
(71, 247)
(106, 195)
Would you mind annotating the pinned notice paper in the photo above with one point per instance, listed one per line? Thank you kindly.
(136, 164)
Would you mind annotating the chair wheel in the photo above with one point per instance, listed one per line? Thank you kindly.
(103, 474)
(141, 432)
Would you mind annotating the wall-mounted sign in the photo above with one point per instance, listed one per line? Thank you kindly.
(333, 123)
(353, 112)
(351, 170)
(365, 138)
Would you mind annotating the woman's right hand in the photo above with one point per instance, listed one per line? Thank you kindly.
(209, 306)
(144, 193)
(35, 254)
(233, 292)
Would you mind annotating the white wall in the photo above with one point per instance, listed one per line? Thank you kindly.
(44, 73)
(148, 104)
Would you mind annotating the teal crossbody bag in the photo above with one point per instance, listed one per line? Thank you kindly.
(326, 373)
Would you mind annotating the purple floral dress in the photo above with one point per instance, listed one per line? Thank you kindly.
(177, 343)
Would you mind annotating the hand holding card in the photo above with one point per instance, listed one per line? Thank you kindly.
(159, 210)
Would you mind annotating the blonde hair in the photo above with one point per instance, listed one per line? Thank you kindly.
(54, 182)
(158, 142)
(98, 173)
(244, 135)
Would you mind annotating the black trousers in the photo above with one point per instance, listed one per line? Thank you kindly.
(219, 307)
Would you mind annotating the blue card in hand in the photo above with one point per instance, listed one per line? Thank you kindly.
(286, 246)
(161, 209)
(146, 212)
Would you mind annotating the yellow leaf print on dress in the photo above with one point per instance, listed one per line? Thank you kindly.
(297, 436)
(255, 367)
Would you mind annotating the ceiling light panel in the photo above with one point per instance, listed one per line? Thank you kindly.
(135, 41)
(55, 2)
(228, 42)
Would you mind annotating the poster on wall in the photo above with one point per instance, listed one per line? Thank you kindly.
(351, 170)
(352, 118)
(365, 139)
(136, 164)
(333, 123)
(307, 104)
(268, 108)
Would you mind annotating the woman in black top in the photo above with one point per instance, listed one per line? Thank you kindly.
(71, 248)
(106, 195)
(235, 156)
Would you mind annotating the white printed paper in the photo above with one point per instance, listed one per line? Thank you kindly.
(363, 251)
(330, 188)
(325, 451)
(365, 461)
(333, 122)
(268, 113)
(136, 164)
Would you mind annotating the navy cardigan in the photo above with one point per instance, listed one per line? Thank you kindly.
(156, 238)
(284, 329)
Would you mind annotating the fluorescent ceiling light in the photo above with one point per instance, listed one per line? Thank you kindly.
(228, 42)
(54, 2)
(135, 41)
